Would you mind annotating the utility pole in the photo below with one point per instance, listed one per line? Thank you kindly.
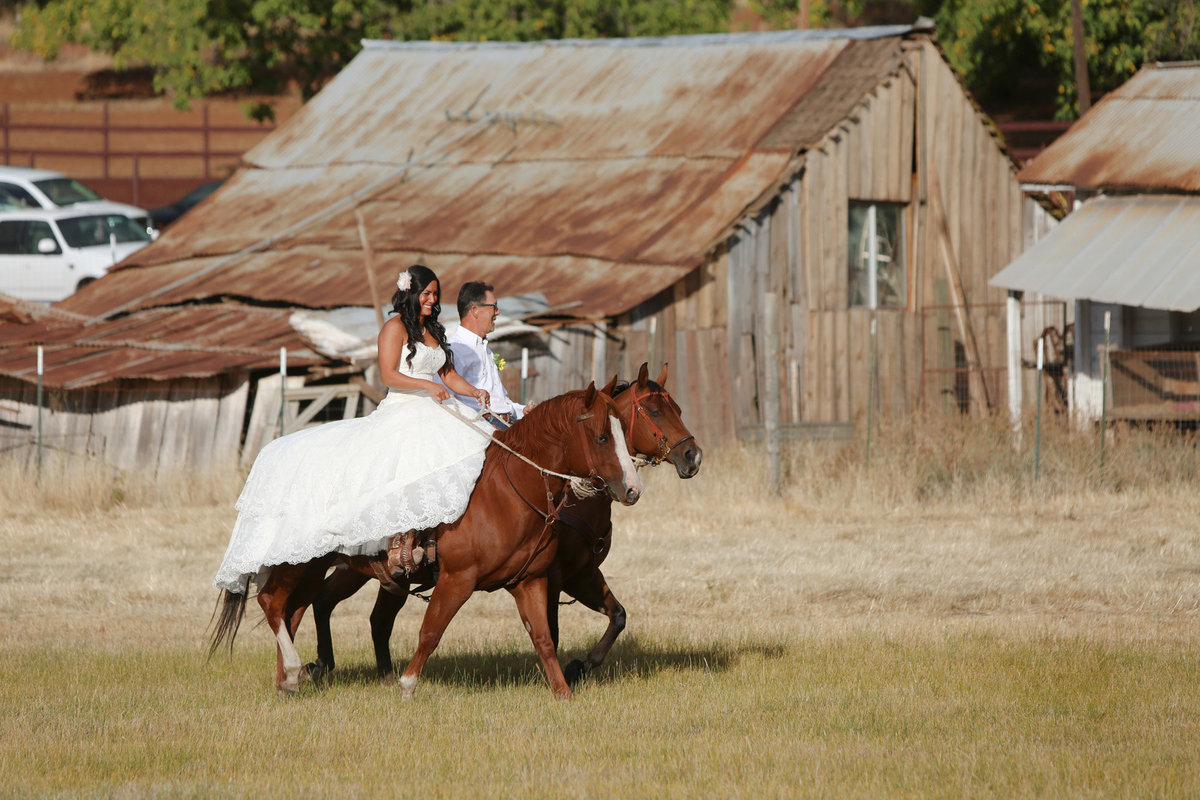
(1083, 91)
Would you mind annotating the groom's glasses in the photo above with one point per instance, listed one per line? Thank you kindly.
(488, 305)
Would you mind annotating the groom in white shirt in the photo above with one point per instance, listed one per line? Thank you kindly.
(477, 311)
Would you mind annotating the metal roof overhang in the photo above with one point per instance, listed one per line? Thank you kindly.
(1141, 250)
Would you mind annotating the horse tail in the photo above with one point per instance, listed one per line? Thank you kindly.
(233, 608)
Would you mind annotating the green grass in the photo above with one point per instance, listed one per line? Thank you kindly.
(933, 624)
(861, 715)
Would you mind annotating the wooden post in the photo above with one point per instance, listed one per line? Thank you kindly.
(770, 363)
(40, 372)
(599, 352)
(369, 266)
(1013, 335)
(980, 401)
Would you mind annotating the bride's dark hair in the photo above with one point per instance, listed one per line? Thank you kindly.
(407, 303)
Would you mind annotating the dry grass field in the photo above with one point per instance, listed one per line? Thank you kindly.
(933, 624)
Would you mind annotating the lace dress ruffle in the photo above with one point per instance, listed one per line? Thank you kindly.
(348, 486)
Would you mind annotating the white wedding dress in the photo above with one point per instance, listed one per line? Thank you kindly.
(348, 486)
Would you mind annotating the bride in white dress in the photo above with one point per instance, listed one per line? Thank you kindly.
(348, 486)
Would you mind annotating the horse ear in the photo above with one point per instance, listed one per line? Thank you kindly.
(610, 386)
(589, 395)
(662, 376)
(643, 374)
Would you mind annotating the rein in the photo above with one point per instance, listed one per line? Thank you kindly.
(581, 486)
(554, 510)
(636, 409)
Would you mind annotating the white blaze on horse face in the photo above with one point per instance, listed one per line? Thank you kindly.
(628, 470)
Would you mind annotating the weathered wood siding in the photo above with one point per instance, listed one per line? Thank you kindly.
(916, 134)
(191, 424)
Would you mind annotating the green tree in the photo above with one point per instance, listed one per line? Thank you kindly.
(1005, 47)
(1018, 54)
(199, 47)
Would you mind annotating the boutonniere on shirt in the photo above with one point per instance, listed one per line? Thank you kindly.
(500, 362)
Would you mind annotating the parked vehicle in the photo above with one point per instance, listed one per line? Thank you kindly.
(165, 215)
(46, 255)
(25, 187)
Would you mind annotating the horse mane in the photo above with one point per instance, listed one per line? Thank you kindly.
(545, 425)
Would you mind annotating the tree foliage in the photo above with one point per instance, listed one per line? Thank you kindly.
(1000, 45)
(200, 47)
(1012, 53)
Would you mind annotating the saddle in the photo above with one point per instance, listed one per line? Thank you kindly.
(405, 555)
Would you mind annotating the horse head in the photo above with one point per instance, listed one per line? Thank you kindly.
(601, 449)
(654, 428)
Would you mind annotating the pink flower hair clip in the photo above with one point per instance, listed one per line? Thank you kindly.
(404, 282)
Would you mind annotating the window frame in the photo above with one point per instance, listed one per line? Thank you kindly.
(898, 258)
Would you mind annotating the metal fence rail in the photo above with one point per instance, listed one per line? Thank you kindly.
(125, 152)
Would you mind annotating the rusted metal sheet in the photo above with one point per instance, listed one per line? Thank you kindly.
(1144, 135)
(1131, 250)
(597, 173)
(605, 159)
(701, 96)
(162, 343)
(317, 277)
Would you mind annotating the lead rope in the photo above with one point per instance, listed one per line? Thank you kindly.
(582, 487)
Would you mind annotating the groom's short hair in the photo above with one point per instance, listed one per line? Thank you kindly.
(472, 293)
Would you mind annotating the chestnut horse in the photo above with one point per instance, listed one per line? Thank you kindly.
(653, 429)
(504, 540)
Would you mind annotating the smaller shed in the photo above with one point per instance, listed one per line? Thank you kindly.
(181, 398)
(1128, 257)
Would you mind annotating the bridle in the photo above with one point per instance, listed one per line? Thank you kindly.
(553, 508)
(636, 409)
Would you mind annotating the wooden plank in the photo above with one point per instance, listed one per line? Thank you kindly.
(857, 139)
(152, 422)
(719, 287)
(260, 428)
(701, 396)
(172, 453)
(104, 420)
(230, 416)
(884, 147)
(979, 399)
(725, 428)
(841, 366)
(905, 138)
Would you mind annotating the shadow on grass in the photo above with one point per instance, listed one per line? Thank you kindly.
(632, 658)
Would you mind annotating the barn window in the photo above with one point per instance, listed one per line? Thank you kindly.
(877, 275)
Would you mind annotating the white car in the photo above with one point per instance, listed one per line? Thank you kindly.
(23, 188)
(46, 255)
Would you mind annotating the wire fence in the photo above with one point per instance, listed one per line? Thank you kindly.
(1148, 385)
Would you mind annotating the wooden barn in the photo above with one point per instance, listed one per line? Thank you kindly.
(747, 207)
(1129, 252)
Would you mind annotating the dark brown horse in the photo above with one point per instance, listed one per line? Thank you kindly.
(504, 540)
(654, 430)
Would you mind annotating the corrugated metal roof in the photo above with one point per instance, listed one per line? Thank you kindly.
(1144, 135)
(597, 173)
(623, 163)
(1131, 250)
(161, 343)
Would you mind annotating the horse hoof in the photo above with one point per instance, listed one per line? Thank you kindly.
(574, 672)
(317, 671)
